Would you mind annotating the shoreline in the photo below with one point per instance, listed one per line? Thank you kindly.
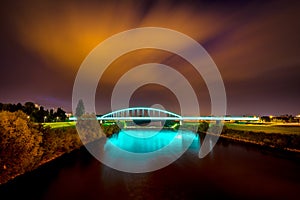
(43, 162)
(247, 141)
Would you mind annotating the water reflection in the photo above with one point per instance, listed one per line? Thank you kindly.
(146, 141)
(129, 152)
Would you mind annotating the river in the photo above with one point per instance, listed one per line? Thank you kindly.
(230, 171)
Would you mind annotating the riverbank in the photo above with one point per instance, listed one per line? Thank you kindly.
(261, 144)
(12, 177)
(54, 143)
(271, 138)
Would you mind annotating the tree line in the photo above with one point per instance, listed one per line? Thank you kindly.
(36, 113)
(24, 145)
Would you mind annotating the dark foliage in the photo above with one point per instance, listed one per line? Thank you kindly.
(36, 113)
(24, 145)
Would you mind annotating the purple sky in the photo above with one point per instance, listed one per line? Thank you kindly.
(255, 46)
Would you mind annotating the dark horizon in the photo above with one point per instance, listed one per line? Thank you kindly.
(255, 46)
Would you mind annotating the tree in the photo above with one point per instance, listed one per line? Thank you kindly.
(29, 108)
(39, 115)
(89, 128)
(20, 144)
(61, 114)
(80, 109)
(19, 106)
(35, 114)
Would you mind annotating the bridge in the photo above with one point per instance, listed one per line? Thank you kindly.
(153, 114)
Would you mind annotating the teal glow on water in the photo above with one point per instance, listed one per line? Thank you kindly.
(145, 141)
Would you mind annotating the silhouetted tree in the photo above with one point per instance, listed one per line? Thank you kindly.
(60, 114)
(29, 108)
(51, 116)
(36, 114)
(80, 109)
(19, 106)
(40, 115)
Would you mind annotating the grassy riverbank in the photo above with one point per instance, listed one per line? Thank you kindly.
(284, 137)
(280, 128)
(60, 124)
(26, 145)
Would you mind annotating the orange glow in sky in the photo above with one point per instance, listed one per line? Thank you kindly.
(255, 45)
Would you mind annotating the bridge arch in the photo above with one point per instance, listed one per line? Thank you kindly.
(144, 112)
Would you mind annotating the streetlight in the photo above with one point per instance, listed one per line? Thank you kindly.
(45, 119)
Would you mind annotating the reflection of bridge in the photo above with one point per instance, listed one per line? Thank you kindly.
(145, 113)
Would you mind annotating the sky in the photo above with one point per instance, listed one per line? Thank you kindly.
(254, 44)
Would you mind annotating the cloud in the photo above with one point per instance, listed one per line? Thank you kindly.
(245, 40)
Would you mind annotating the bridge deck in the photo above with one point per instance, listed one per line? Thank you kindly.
(209, 118)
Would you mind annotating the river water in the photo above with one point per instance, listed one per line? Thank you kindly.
(230, 171)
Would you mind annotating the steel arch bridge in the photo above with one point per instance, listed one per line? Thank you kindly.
(146, 113)
(140, 113)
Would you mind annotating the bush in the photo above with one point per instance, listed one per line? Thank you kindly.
(19, 144)
(59, 140)
(110, 130)
(203, 127)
